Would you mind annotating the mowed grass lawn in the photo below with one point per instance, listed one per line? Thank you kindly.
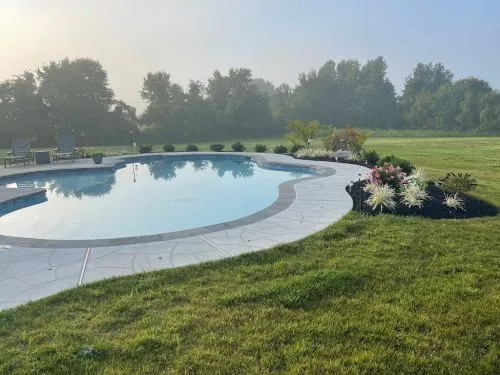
(203, 146)
(366, 295)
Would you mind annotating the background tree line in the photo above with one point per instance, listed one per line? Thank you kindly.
(74, 97)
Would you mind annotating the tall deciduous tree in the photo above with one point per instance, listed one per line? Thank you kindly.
(22, 109)
(425, 77)
(78, 95)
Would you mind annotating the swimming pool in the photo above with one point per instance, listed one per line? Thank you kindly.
(145, 196)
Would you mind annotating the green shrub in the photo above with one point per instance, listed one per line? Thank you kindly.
(260, 148)
(145, 149)
(457, 183)
(295, 147)
(280, 149)
(98, 155)
(191, 148)
(238, 147)
(217, 147)
(405, 165)
(371, 157)
(169, 148)
(347, 139)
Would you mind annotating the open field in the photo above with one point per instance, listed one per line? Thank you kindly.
(366, 295)
(478, 156)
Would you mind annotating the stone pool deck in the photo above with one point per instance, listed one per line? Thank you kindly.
(33, 269)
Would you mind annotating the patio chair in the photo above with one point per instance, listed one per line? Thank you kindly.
(20, 153)
(65, 148)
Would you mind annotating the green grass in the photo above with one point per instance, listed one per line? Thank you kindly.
(204, 146)
(412, 133)
(479, 156)
(366, 295)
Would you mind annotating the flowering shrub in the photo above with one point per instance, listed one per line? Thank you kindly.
(387, 174)
(347, 139)
(382, 196)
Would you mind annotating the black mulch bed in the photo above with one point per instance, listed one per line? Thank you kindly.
(433, 207)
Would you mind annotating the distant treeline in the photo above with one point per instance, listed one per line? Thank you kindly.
(74, 97)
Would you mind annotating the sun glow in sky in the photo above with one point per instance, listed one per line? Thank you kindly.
(277, 39)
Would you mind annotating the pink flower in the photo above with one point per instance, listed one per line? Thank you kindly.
(377, 175)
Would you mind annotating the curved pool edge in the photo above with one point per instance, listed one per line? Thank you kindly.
(286, 195)
(33, 272)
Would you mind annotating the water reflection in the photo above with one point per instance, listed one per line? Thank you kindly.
(200, 164)
(87, 183)
(78, 184)
(165, 169)
(97, 183)
(238, 168)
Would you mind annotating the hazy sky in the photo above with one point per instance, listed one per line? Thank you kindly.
(277, 39)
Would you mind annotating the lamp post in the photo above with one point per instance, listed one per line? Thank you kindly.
(131, 142)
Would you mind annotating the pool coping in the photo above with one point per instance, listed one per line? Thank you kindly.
(286, 196)
(39, 270)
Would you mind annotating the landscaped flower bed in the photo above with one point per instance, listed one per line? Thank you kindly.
(333, 156)
(432, 207)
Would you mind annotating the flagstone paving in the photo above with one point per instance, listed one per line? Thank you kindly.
(29, 272)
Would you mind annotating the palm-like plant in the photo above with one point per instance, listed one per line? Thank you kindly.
(301, 132)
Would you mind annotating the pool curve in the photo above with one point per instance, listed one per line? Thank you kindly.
(286, 196)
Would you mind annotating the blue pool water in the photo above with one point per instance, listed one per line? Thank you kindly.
(146, 197)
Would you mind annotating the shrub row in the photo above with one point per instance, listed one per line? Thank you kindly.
(218, 147)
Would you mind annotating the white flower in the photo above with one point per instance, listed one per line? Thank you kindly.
(382, 196)
(413, 195)
(454, 201)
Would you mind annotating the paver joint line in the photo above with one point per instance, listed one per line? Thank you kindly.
(303, 207)
(214, 245)
(84, 266)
